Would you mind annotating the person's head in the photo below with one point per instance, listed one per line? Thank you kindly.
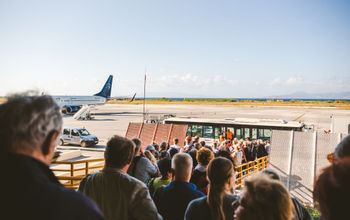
(172, 152)
(332, 190)
(224, 154)
(150, 156)
(181, 165)
(220, 173)
(271, 173)
(188, 139)
(156, 147)
(202, 143)
(151, 149)
(137, 143)
(163, 154)
(342, 150)
(193, 154)
(165, 168)
(163, 145)
(197, 146)
(119, 152)
(204, 156)
(30, 125)
(176, 140)
(264, 198)
(196, 139)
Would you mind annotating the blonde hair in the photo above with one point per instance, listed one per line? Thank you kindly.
(265, 198)
(150, 156)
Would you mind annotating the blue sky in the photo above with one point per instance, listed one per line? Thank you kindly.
(250, 48)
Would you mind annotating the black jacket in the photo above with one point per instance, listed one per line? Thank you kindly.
(29, 190)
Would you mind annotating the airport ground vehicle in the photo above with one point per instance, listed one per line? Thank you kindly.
(80, 136)
(210, 129)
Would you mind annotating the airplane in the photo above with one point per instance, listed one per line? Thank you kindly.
(72, 104)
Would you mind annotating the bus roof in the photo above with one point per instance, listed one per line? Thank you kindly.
(237, 121)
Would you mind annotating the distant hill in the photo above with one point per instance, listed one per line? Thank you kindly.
(305, 95)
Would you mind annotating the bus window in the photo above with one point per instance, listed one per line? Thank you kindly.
(238, 133)
(260, 133)
(246, 133)
(216, 133)
(267, 133)
(208, 131)
(189, 131)
(254, 133)
(197, 130)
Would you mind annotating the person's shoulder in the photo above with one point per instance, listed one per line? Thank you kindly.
(199, 202)
(78, 204)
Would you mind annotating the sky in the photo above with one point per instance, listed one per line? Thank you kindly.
(187, 48)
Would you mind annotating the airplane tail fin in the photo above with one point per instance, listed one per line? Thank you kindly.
(107, 88)
(133, 98)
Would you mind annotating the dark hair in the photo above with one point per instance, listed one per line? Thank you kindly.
(137, 143)
(193, 154)
(172, 152)
(119, 152)
(219, 171)
(176, 140)
(163, 154)
(164, 166)
(271, 173)
(332, 190)
(224, 153)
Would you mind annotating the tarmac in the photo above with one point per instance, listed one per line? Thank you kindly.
(113, 119)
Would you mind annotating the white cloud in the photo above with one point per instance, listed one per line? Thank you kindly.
(276, 81)
(294, 80)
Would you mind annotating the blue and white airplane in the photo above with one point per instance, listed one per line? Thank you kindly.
(72, 104)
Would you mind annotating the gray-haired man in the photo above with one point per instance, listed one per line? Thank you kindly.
(29, 129)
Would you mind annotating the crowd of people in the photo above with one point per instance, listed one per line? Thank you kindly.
(195, 181)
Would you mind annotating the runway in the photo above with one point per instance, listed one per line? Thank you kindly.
(113, 119)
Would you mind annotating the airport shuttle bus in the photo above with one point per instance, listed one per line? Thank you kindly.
(210, 129)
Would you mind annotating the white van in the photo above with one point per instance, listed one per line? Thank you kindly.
(80, 136)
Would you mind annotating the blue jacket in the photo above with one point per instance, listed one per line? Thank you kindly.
(29, 190)
(172, 200)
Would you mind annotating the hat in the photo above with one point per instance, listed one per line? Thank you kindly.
(150, 148)
(188, 138)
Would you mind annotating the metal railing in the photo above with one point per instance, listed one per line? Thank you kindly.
(74, 171)
(246, 169)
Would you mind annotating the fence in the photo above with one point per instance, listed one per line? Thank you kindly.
(76, 170)
(299, 157)
(246, 169)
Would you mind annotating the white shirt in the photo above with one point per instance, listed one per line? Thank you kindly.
(239, 157)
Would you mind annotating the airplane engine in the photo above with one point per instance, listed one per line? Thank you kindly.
(70, 109)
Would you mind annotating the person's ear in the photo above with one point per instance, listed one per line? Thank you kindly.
(48, 147)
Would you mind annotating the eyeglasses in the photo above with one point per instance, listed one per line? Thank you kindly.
(330, 157)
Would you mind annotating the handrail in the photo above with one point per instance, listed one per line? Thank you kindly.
(246, 169)
(75, 174)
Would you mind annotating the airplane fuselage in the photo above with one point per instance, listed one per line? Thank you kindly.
(64, 101)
